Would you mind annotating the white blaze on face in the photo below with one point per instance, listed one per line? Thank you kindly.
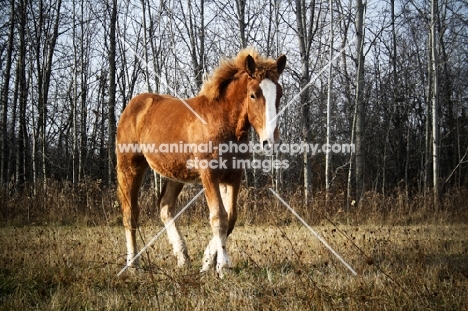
(269, 92)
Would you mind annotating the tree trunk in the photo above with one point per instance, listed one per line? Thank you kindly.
(145, 43)
(350, 170)
(82, 154)
(156, 50)
(428, 130)
(5, 98)
(45, 49)
(360, 183)
(197, 42)
(240, 5)
(74, 100)
(112, 92)
(435, 103)
(22, 97)
(305, 33)
(329, 95)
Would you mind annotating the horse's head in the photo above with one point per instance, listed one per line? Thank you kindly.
(263, 97)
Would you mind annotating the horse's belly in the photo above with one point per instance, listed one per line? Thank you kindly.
(176, 168)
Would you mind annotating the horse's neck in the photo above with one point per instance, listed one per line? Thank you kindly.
(234, 107)
(243, 125)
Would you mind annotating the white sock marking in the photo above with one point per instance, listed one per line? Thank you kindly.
(159, 233)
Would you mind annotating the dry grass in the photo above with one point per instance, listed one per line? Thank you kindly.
(63, 249)
(423, 267)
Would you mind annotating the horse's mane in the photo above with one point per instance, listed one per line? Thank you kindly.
(230, 69)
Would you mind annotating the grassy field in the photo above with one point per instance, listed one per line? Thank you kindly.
(275, 267)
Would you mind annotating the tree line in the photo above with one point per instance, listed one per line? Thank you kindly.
(387, 76)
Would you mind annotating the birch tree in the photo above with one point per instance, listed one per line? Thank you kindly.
(329, 99)
(306, 29)
(359, 126)
(435, 101)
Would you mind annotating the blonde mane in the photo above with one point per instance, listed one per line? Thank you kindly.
(230, 69)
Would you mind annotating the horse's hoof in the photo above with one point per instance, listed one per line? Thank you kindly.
(223, 265)
(222, 271)
(183, 260)
(207, 265)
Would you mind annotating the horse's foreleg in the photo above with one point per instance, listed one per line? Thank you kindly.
(129, 178)
(229, 194)
(167, 203)
(219, 225)
(209, 256)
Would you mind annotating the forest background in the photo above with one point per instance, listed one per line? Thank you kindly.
(389, 77)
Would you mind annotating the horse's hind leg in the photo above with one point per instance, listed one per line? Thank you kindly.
(130, 172)
(167, 203)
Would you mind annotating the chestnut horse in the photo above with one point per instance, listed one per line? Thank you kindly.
(241, 92)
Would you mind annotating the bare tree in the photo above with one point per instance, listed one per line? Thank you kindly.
(306, 30)
(144, 44)
(21, 91)
(112, 90)
(192, 33)
(5, 97)
(329, 99)
(359, 23)
(435, 101)
(240, 6)
(46, 21)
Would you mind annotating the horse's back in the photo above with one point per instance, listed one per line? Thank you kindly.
(134, 115)
(140, 104)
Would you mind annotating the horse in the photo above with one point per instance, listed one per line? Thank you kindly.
(242, 91)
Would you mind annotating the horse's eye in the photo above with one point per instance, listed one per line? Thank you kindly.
(252, 96)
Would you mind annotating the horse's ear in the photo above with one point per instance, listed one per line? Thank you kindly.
(250, 65)
(280, 64)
